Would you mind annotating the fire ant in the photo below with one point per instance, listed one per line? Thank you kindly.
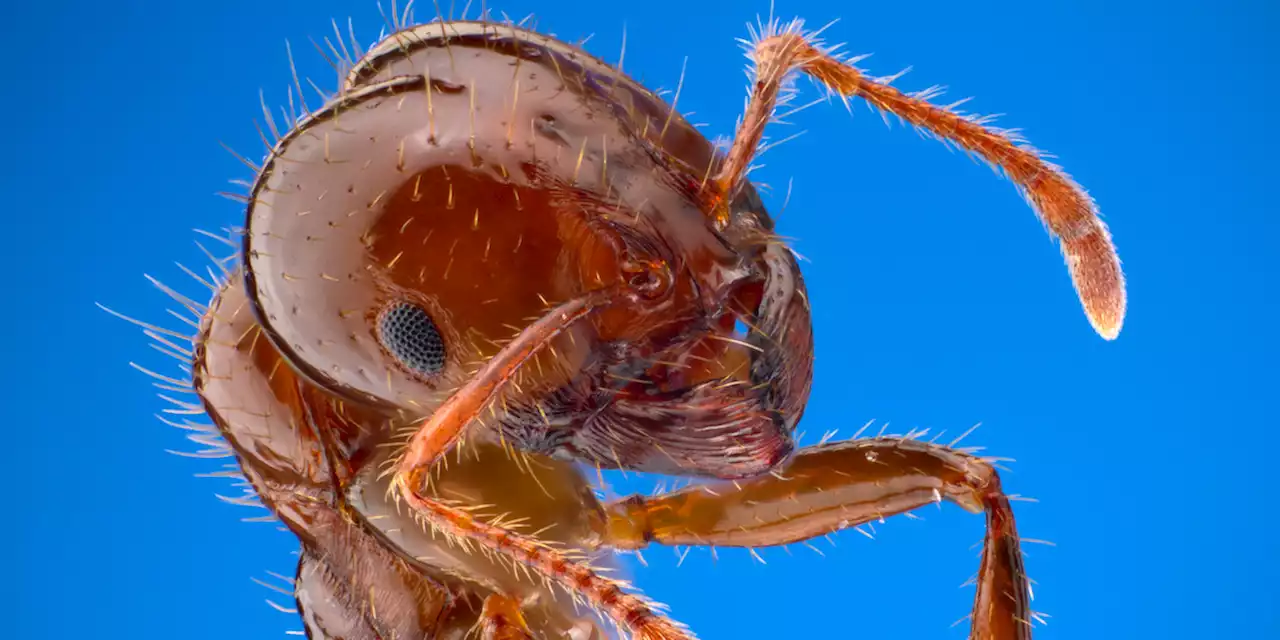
(491, 257)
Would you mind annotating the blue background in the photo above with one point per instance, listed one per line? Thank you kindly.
(939, 302)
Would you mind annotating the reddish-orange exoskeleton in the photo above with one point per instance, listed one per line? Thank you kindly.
(491, 257)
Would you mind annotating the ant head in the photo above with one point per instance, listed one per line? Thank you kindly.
(467, 177)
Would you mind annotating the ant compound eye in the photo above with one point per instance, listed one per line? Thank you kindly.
(409, 334)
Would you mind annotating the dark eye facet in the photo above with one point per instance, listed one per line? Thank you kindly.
(411, 336)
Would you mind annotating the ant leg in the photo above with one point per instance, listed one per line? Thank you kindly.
(830, 487)
(501, 620)
(441, 432)
(1063, 206)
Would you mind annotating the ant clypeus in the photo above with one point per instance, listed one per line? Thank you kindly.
(490, 244)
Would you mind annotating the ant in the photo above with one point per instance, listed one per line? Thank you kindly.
(491, 257)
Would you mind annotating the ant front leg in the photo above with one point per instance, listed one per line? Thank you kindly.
(830, 487)
(441, 433)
